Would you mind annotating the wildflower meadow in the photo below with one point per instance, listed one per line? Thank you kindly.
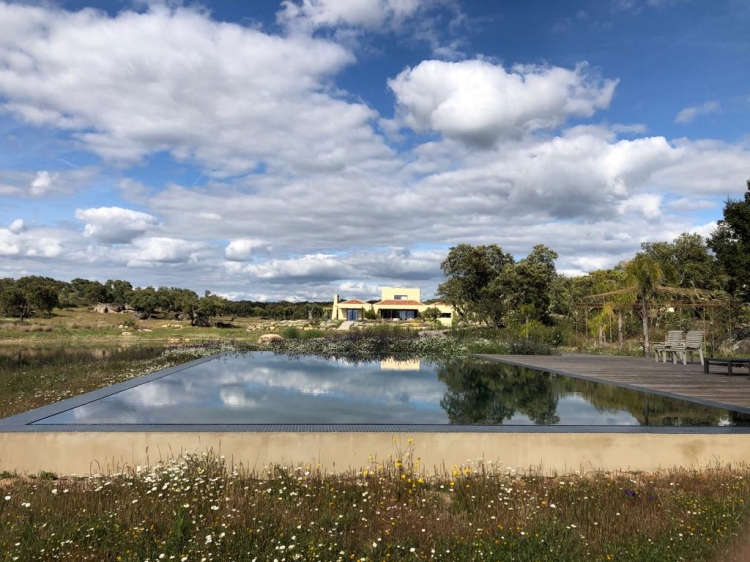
(201, 508)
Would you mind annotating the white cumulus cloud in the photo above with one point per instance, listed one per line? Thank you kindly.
(43, 183)
(17, 226)
(162, 250)
(25, 243)
(477, 101)
(649, 205)
(229, 96)
(115, 225)
(241, 249)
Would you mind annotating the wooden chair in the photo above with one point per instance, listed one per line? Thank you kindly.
(693, 342)
(674, 338)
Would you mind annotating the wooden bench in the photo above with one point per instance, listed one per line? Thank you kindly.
(674, 338)
(693, 342)
(728, 361)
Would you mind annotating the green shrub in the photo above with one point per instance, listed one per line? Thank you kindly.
(371, 315)
(290, 333)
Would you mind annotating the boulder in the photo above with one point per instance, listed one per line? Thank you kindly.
(202, 322)
(105, 308)
(742, 347)
(269, 338)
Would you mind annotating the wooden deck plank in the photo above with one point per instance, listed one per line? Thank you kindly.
(688, 382)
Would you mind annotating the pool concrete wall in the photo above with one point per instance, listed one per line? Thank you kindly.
(83, 453)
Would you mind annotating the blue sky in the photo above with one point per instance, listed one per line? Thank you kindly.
(302, 148)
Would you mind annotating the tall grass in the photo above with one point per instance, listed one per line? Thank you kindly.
(198, 507)
(388, 340)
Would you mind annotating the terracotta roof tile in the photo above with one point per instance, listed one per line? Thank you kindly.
(399, 302)
(353, 301)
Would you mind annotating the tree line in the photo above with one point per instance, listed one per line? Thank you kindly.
(35, 295)
(487, 285)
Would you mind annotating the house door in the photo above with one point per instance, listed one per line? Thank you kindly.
(352, 314)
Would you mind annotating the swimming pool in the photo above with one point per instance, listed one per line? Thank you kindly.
(266, 389)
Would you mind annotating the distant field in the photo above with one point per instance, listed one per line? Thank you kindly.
(82, 323)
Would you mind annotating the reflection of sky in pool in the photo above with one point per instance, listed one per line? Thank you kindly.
(263, 388)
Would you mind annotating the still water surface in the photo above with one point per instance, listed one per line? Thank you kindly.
(264, 388)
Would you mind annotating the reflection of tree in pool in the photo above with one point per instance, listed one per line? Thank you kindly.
(482, 392)
(651, 409)
(489, 393)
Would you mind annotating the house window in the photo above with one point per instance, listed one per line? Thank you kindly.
(387, 314)
(400, 297)
(445, 315)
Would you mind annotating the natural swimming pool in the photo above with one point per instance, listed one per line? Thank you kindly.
(265, 388)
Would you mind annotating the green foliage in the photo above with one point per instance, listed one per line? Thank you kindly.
(210, 306)
(290, 332)
(145, 300)
(534, 339)
(118, 291)
(21, 298)
(688, 256)
(485, 283)
(14, 302)
(730, 241)
(371, 344)
(184, 302)
(529, 283)
(431, 313)
(645, 277)
(41, 292)
(89, 292)
(370, 314)
(469, 271)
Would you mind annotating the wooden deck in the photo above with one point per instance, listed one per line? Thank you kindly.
(688, 382)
